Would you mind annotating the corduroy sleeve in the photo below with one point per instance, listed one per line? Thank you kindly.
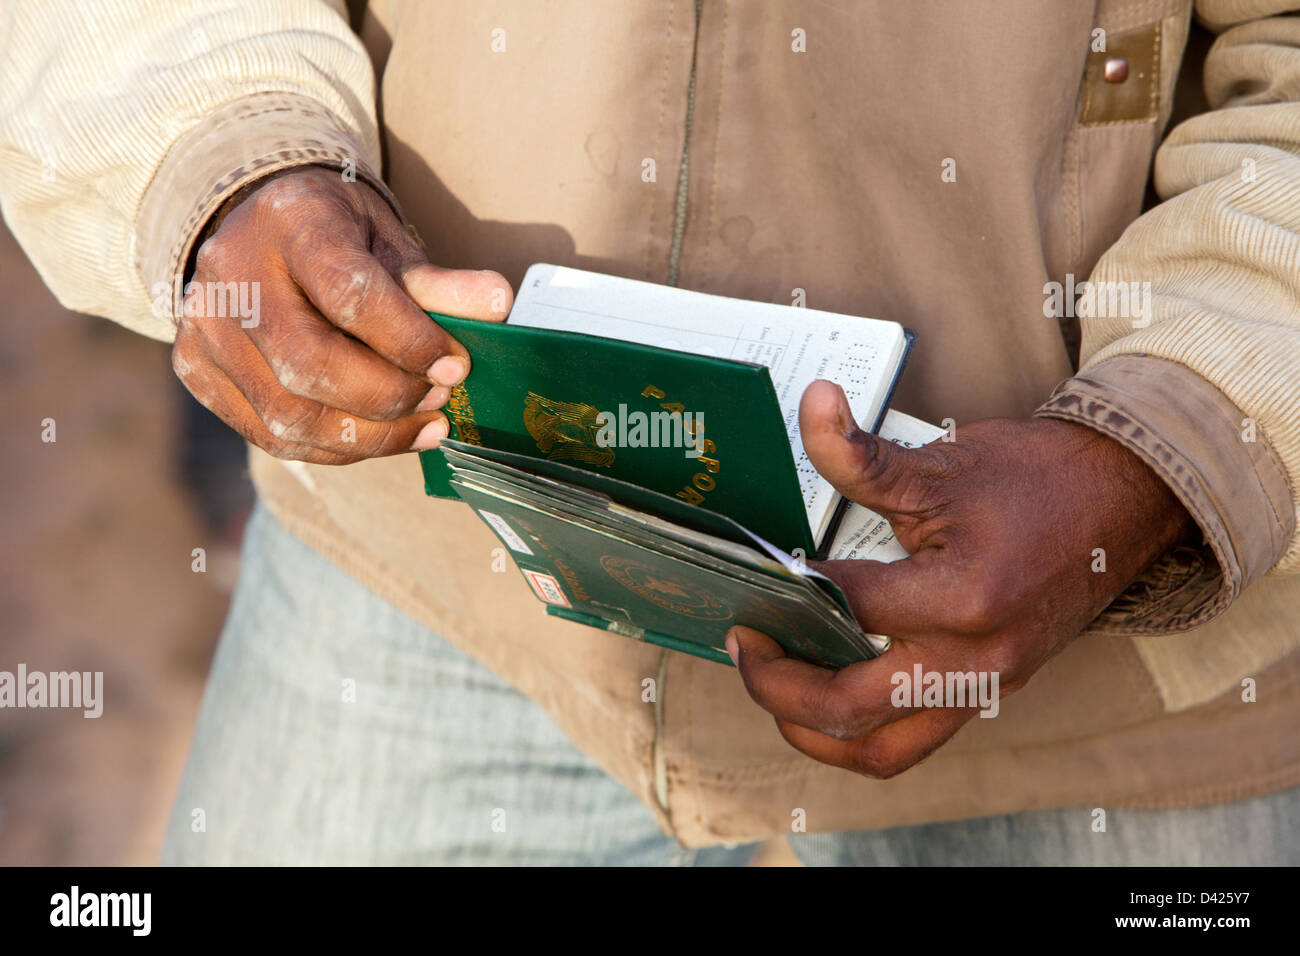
(125, 123)
(1204, 384)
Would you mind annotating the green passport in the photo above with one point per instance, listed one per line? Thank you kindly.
(541, 392)
(636, 448)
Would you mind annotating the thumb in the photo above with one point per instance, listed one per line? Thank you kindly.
(875, 473)
(464, 293)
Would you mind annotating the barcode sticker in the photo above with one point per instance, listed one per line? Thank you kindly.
(547, 588)
(508, 534)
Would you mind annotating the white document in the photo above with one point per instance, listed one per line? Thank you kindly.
(798, 346)
(864, 535)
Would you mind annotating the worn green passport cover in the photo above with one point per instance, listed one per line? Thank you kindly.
(597, 577)
(538, 392)
(565, 481)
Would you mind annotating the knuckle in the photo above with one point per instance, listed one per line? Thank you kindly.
(291, 451)
(283, 193)
(273, 193)
(943, 461)
(1003, 658)
(183, 362)
(345, 282)
(214, 255)
(300, 361)
(321, 365)
(386, 437)
(390, 402)
(875, 461)
(278, 448)
(422, 347)
(874, 760)
(290, 418)
(975, 609)
(377, 393)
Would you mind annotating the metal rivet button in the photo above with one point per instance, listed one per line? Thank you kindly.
(1116, 69)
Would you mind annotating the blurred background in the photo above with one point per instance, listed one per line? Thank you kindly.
(95, 573)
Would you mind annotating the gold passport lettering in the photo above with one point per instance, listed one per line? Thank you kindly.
(565, 430)
(461, 414)
(702, 482)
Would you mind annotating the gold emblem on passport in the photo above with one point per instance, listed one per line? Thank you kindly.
(677, 596)
(565, 430)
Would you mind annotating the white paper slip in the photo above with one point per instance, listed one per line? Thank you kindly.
(507, 534)
(797, 346)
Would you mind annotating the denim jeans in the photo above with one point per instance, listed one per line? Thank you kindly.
(336, 729)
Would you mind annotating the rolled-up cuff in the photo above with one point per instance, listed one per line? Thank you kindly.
(1215, 460)
(243, 141)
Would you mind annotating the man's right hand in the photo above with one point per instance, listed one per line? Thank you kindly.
(341, 363)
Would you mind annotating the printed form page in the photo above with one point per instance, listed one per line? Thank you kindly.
(798, 346)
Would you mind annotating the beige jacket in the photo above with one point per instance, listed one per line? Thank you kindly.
(515, 132)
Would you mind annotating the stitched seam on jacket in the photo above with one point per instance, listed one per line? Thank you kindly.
(1153, 97)
(682, 199)
(1070, 186)
(1280, 521)
(1193, 795)
(717, 136)
(658, 759)
(1133, 16)
(659, 131)
(310, 150)
(797, 766)
(221, 189)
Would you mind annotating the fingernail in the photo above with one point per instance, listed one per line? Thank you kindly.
(449, 370)
(430, 435)
(733, 648)
(435, 399)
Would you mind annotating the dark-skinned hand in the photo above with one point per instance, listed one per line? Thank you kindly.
(341, 363)
(1001, 525)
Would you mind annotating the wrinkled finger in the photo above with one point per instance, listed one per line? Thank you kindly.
(844, 704)
(213, 389)
(886, 752)
(353, 291)
(315, 360)
(293, 419)
(901, 599)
